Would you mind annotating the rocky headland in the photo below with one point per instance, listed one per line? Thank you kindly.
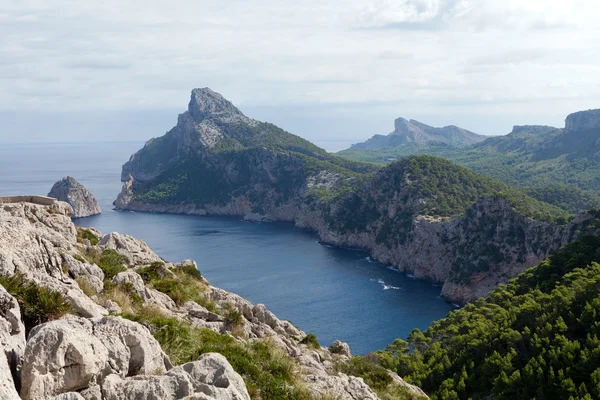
(84, 203)
(422, 215)
(90, 316)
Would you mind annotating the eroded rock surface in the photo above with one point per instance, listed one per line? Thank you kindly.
(83, 202)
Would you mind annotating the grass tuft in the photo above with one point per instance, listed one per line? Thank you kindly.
(38, 304)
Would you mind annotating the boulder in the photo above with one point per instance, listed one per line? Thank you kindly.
(211, 377)
(135, 251)
(135, 280)
(340, 348)
(132, 350)
(76, 354)
(77, 196)
(342, 387)
(62, 356)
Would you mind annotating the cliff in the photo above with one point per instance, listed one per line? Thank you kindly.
(91, 316)
(84, 203)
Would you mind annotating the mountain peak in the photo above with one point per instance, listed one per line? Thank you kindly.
(206, 103)
(583, 121)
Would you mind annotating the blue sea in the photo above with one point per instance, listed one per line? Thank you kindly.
(333, 293)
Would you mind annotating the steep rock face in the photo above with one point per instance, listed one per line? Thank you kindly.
(471, 254)
(412, 131)
(583, 121)
(69, 190)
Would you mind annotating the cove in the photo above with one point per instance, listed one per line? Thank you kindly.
(333, 293)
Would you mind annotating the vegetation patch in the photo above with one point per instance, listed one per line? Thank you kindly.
(38, 304)
(109, 261)
(181, 284)
(377, 377)
(268, 372)
(83, 234)
(536, 337)
(86, 287)
(311, 341)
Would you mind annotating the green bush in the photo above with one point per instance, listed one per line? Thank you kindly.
(377, 377)
(536, 337)
(181, 284)
(83, 234)
(191, 270)
(374, 374)
(111, 263)
(38, 304)
(311, 341)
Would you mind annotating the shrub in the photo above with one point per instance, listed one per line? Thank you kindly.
(311, 341)
(111, 263)
(83, 234)
(191, 270)
(374, 374)
(181, 285)
(38, 304)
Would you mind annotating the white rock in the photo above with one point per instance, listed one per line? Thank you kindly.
(136, 281)
(135, 251)
(132, 350)
(211, 377)
(62, 356)
(12, 343)
(340, 348)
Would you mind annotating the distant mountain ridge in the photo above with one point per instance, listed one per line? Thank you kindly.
(411, 131)
(557, 165)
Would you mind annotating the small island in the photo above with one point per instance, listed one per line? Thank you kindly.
(83, 202)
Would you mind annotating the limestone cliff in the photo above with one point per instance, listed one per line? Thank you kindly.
(69, 190)
(121, 304)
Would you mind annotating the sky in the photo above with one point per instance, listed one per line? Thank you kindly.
(334, 72)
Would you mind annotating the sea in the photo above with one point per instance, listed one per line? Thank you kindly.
(331, 292)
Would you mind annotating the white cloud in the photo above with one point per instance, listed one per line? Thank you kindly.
(410, 57)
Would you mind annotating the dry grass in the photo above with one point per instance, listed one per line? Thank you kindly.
(86, 287)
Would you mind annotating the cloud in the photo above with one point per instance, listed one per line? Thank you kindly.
(382, 57)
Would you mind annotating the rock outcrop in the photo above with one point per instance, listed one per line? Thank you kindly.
(583, 121)
(412, 131)
(86, 354)
(69, 190)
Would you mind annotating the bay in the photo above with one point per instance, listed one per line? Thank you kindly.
(333, 293)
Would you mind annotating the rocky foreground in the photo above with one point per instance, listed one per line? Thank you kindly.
(83, 316)
(84, 203)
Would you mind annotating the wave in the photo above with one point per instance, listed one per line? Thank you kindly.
(383, 284)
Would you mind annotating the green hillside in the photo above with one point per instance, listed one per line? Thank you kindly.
(536, 338)
(547, 163)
